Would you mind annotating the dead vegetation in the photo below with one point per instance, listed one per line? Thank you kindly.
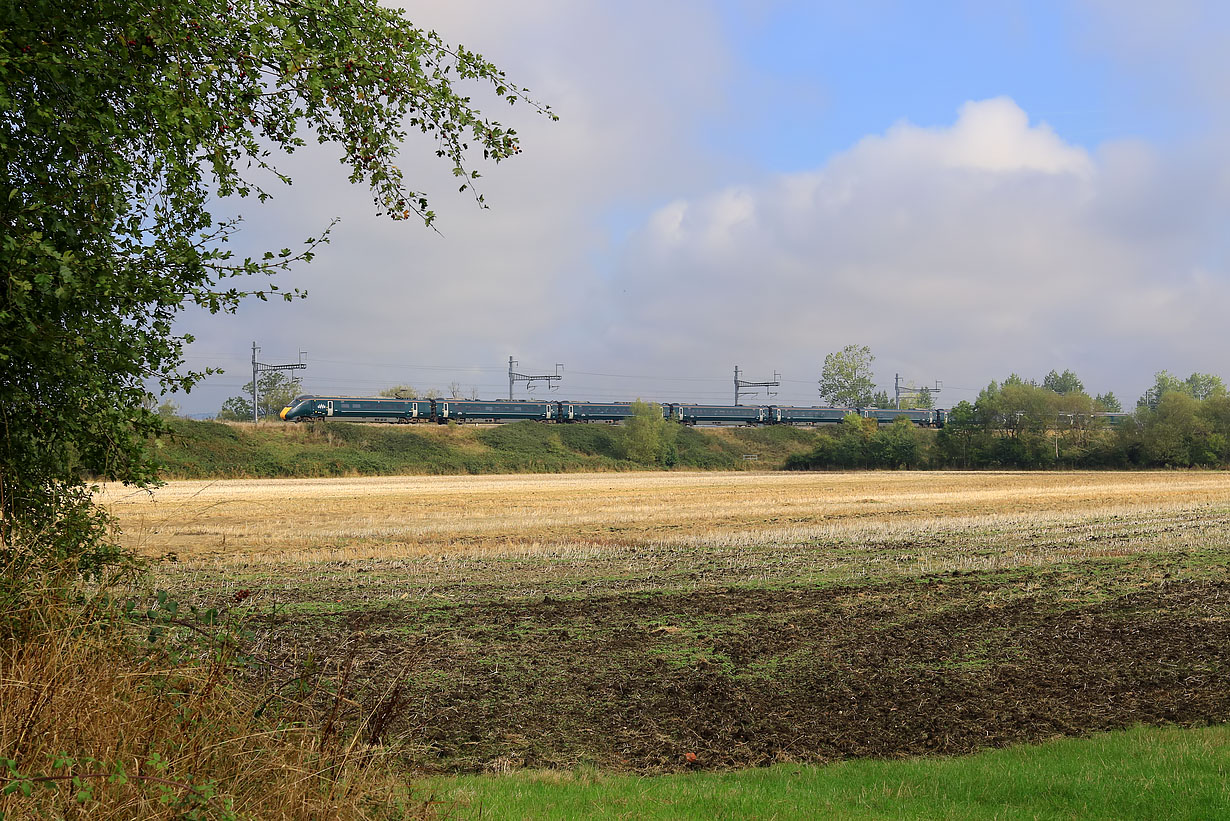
(307, 520)
(89, 729)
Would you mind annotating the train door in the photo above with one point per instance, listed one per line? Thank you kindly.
(329, 408)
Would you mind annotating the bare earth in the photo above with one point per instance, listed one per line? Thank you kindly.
(628, 620)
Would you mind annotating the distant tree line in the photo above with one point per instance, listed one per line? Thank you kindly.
(1023, 424)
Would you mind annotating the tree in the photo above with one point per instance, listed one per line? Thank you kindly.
(846, 379)
(400, 392)
(895, 445)
(277, 391)
(237, 409)
(649, 437)
(1174, 432)
(852, 440)
(120, 125)
(1063, 383)
(880, 400)
(1204, 385)
(959, 432)
(1197, 386)
(924, 400)
(1108, 402)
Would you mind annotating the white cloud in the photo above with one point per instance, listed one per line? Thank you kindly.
(958, 253)
(990, 135)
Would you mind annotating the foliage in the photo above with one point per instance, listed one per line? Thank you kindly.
(1108, 402)
(895, 445)
(400, 392)
(208, 450)
(1021, 424)
(846, 379)
(1063, 383)
(1197, 386)
(958, 434)
(120, 123)
(924, 400)
(277, 391)
(862, 443)
(40, 567)
(649, 435)
(1183, 432)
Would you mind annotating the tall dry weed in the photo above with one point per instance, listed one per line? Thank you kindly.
(98, 721)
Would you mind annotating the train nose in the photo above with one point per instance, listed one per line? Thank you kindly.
(282, 415)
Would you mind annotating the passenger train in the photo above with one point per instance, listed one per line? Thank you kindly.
(442, 411)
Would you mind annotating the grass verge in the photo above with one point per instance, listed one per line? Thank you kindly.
(212, 450)
(1145, 773)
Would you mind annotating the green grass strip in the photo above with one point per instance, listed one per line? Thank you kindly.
(1144, 773)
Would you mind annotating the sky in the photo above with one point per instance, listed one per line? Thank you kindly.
(970, 189)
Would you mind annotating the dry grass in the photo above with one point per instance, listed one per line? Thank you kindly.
(244, 522)
(370, 541)
(185, 740)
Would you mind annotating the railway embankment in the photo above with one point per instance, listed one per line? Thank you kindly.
(207, 450)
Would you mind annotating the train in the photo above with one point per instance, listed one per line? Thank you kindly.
(442, 411)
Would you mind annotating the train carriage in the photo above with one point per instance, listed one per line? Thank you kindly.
(719, 414)
(595, 411)
(782, 415)
(925, 418)
(462, 410)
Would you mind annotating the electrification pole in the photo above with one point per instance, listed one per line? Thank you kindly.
(260, 367)
(530, 379)
(741, 384)
(900, 390)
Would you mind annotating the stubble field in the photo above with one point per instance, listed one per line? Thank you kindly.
(659, 622)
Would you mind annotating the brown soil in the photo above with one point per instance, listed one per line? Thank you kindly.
(744, 677)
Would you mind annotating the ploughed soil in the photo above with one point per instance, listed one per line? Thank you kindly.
(746, 676)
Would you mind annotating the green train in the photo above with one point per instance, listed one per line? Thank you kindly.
(383, 409)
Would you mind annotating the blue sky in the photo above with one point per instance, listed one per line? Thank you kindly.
(819, 76)
(832, 78)
(971, 189)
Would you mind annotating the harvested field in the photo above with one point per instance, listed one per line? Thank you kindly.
(311, 519)
(627, 620)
